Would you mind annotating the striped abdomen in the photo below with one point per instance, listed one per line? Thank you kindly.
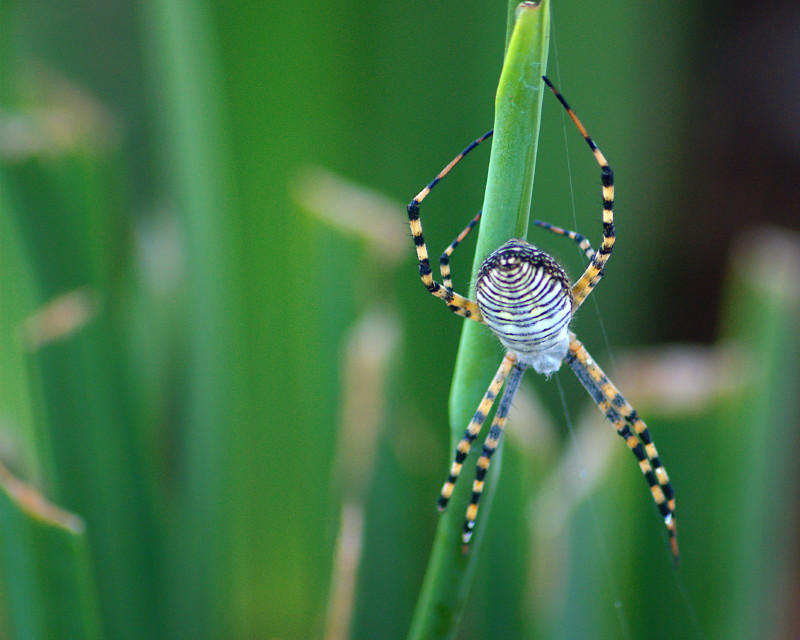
(525, 299)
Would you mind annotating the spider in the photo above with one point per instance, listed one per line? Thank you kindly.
(525, 298)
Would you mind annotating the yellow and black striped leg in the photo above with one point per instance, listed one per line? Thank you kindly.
(474, 428)
(622, 415)
(458, 304)
(444, 259)
(582, 241)
(594, 272)
(489, 447)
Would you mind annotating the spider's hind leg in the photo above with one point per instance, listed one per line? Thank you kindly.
(444, 259)
(581, 240)
(591, 276)
(457, 303)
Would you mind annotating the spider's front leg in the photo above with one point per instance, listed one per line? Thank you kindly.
(490, 445)
(474, 428)
(510, 374)
(623, 416)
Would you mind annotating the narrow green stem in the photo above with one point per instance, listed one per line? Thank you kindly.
(506, 209)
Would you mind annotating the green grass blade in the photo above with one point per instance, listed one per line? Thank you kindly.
(253, 539)
(48, 589)
(505, 214)
(183, 75)
(65, 198)
(758, 436)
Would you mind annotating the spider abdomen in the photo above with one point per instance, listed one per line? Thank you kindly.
(524, 296)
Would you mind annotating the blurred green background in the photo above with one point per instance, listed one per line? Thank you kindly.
(219, 358)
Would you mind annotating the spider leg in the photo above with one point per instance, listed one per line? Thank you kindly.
(623, 416)
(474, 428)
(458, 304)
(489, 447)
(583, 243)
(444, 259)
(588, 281)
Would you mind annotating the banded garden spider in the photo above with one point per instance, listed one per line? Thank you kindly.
(525, 298)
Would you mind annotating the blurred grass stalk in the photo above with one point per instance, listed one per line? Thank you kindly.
(197, 179)
(506, 210)
(62, 175)
(369, 354)
(48, 587)
(762, 314)
(251, 537)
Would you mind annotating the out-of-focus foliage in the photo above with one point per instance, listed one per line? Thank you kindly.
(223, 402)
